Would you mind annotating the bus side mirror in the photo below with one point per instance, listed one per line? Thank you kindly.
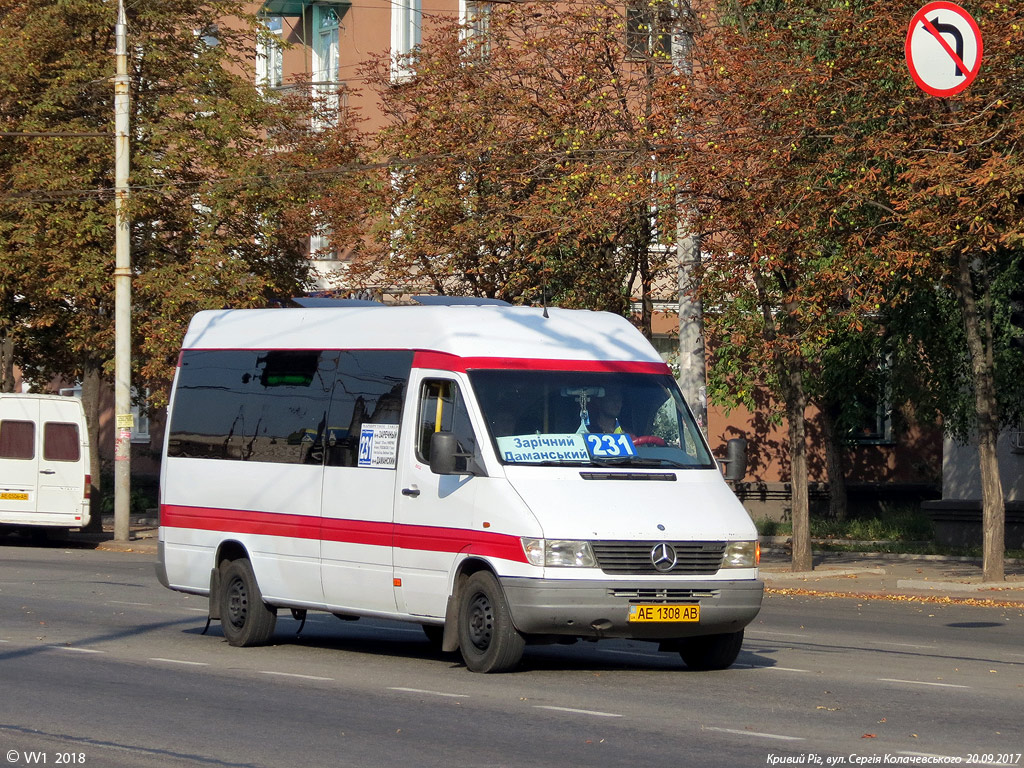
(735, 459)
(444, 454)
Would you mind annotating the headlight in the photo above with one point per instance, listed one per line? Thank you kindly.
(742, 554)
(559, 553)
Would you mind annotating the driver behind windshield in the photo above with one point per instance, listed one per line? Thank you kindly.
(601, 414)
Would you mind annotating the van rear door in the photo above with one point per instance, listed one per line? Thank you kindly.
(19, 459)
(61, 463)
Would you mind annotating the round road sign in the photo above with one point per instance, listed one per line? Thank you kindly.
(943, 48)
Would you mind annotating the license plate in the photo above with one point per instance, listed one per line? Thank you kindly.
(7, 496)
(655, 613)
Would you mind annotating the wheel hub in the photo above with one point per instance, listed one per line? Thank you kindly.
(238, 603)
(481, 622)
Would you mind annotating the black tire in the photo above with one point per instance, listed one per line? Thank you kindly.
(711, 651)
(488, 640)
(245, 618)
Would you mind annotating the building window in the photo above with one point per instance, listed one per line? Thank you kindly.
(475, 18)
(140, 411)
(321, 246)
(325, 65)
(875, 427)
(648, 30)
(406, 23)
(269, 50)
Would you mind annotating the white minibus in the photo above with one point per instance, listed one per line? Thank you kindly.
(44, 462)
(499, 475)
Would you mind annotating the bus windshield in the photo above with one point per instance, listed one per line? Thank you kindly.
(591, 418)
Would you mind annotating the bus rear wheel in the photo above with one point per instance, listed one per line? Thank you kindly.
(245, 618)
(488, 640)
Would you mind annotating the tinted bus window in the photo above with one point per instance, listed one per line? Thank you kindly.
(252, 405)
(370, 389)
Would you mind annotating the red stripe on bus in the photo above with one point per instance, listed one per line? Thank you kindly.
(417, 537)
(447, 362)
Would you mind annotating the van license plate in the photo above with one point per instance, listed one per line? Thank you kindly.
(13, 496)
(656, 613)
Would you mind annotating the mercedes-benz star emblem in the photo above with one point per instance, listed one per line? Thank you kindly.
(664, 557)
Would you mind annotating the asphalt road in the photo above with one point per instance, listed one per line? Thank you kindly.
(101, 666)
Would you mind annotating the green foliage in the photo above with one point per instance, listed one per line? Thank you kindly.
(213, 219)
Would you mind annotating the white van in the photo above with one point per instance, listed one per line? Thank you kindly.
(44, 461)
(453, 466)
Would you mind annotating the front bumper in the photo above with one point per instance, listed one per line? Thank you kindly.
(598, 609)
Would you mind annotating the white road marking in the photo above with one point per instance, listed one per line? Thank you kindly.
(777, 669)
(432, 693)
(909, 645)
(921, 682)
(181, 661)
(76, 650)
(292, 674)
(738, 732)
(631, 653)
(578, 711)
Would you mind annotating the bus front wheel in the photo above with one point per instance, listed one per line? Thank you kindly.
(488, 640)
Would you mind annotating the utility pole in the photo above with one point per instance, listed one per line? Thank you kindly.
(692, 364)
(122, 289)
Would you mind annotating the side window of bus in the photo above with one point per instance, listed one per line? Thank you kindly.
(252, 405)
(443, 409)
(370, 389)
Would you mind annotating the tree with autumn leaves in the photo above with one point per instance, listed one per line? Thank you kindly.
(839, 199)
(839, 207)
(522, 164)
(215, 209)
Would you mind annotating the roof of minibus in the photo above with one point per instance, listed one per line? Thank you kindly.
(465, 331)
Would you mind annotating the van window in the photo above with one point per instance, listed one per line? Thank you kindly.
(17, 439)
(443, 409)
(284, 406)
(252, 405)
(61, 442)
(370, 389)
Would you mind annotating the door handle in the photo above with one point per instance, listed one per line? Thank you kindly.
(47, 472)
(413, 492)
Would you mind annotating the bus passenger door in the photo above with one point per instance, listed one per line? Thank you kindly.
(360, 479)
(434, 514)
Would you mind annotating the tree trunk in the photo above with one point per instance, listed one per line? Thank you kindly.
(91, 385)
(838, 502)
(796, 405)
(979, 346)
(6, 362)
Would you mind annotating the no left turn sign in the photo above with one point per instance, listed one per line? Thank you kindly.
(943, 48)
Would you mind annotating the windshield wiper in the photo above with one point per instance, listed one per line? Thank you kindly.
(635, 461)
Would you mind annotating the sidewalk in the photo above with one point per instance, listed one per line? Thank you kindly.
(835, 574)
(141, 538)
(899, 577)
